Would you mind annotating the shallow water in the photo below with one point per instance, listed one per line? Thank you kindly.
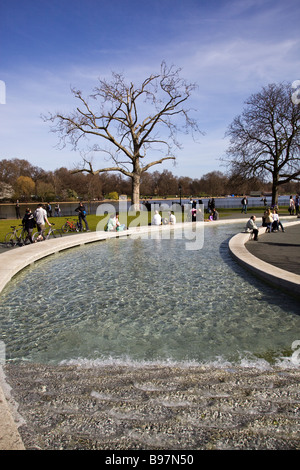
(146, 300)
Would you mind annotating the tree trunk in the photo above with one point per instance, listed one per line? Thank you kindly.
(275, 190)
(135, 198)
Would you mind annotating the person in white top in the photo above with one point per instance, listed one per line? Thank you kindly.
(276, 222)
(156, 219)
(40, 216)
(172, 218)
(252, 227)
(291, 206)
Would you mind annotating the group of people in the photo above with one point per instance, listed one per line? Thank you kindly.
(57, 210)
(158, 220)
(39, 219)
(270, 220)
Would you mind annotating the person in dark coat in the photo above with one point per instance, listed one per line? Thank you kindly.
(29, 223)
(82, 217)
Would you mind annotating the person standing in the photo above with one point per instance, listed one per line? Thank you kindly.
(244, 204)
(291, 206)
(82, 217)
(57, 210)
(18, 214)
(297, 204)
(49, 210)
(40, 216)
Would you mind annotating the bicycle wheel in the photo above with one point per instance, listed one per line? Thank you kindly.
(21, 237)
(10, 240)
(55, 233)
(65, 228)
(37, 237)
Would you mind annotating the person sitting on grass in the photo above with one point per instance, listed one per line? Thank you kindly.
(214, 215)
(156, 219)
(172, 218)
(112, 224)
(119, 226)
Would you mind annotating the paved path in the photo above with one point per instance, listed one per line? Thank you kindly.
(281, 249)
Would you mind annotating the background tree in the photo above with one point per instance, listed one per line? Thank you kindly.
(214, 183)
(44, 191)
(130, 121)
(265, 138)
(25, 187)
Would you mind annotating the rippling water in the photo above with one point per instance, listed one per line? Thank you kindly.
(146, 300)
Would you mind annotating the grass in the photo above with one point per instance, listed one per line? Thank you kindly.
(141, 218)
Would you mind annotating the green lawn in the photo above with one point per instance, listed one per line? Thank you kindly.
(141, 218)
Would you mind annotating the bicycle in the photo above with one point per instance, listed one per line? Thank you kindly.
(52, 233)
(17, 237)
(70, 226)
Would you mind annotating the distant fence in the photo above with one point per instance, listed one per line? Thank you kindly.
(8, 211)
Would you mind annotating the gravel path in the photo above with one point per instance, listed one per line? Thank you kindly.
(156, 407)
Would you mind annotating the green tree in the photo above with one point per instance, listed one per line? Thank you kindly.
(25, 187)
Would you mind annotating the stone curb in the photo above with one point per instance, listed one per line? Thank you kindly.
(287, 281)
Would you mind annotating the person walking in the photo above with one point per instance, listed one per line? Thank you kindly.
(40, 216)
(29, 223)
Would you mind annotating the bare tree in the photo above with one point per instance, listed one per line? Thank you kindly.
(130, 122)
(265, 139)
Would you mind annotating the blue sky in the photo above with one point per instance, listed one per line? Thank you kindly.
(231, 49)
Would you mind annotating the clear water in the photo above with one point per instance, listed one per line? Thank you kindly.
(146, 300)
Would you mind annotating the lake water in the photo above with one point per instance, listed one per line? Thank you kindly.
(146, 300)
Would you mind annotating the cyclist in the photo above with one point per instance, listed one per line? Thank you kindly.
(82, 217)
(41, 219)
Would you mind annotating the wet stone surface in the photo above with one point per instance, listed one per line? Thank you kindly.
(156, 407)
